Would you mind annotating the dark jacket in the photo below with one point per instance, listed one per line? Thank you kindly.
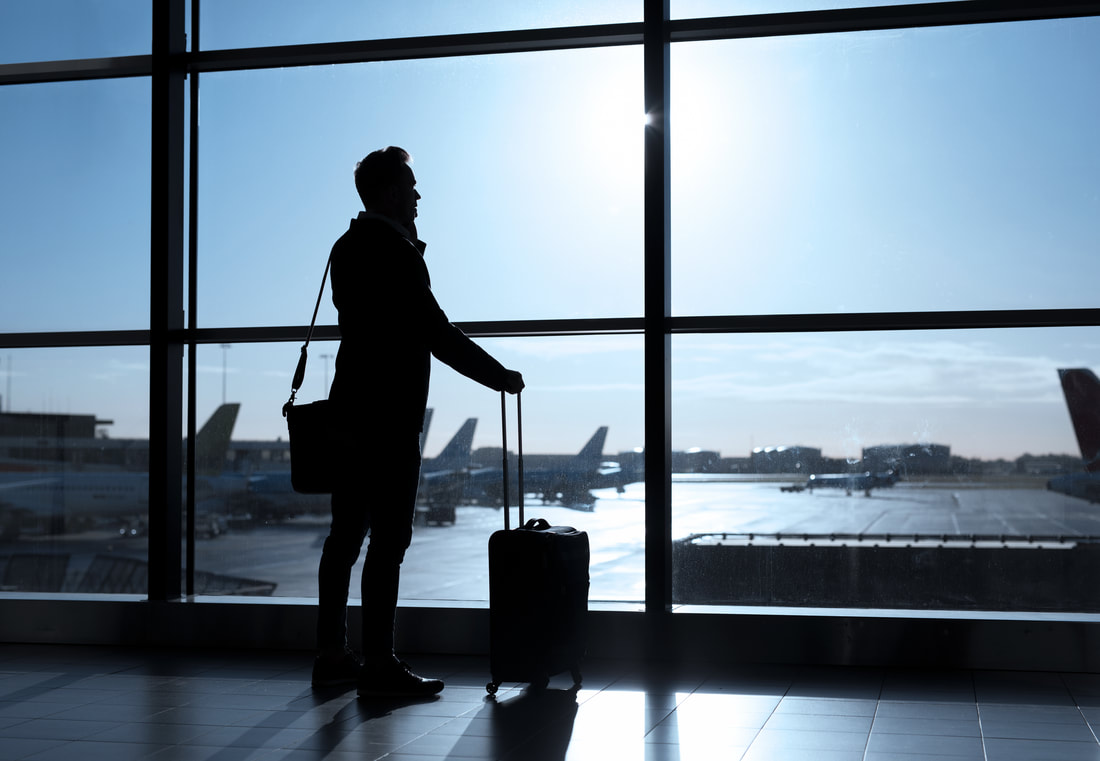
(390, 326)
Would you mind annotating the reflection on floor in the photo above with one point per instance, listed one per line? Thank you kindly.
(65, 702)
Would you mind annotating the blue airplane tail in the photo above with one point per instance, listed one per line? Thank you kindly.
(592, 453)
(456, 455)
(1082, 391)
(212, 440)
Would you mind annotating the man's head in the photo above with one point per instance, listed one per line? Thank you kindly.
(386, 184)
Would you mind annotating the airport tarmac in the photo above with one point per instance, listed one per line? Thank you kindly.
(449, 562)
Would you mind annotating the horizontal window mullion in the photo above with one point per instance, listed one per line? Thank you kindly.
(877, 18)
(777, 323)
(57, 340)
(488, 43)
(77, 69)
(493, 329)
(875, 321)
(439, 46)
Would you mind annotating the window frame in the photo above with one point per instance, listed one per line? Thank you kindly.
(175, 71)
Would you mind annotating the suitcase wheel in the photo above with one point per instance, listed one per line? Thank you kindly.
(575, 672)
(491, 687)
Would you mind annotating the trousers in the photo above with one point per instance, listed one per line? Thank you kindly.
(376, 497)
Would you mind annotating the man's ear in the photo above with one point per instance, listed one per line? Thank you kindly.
(391, 196)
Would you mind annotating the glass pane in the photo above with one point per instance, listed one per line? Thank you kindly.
(918, 170)
(892, 470)
(47, 30)
(532, 188)
(253, 23)
(74, 459)
(711, 8)
(74, 205)
(271, 537)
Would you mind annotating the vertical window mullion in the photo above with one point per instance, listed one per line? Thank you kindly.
(166, 300)
(658, 401)
(192, 300)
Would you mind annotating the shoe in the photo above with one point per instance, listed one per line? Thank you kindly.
(331, 671)
(396, 680)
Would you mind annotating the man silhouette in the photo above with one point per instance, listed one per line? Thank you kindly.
(390, 327)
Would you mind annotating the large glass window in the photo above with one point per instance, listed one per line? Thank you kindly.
(252, 23)
(530, 168)
(582, 427)
(897, 470)
(917, 170)
(43, 30)
(74, 205)
(926, 169)
(74, 463)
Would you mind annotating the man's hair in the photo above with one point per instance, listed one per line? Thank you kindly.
(377, 172)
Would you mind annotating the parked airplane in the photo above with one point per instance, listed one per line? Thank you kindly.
(443, 478)
(70, 500)
(569, 482)
(1081, 389)
(851, 482)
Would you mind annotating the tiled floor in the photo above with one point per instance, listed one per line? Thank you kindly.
(87, 704)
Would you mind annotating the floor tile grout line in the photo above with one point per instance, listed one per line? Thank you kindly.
(874, 716)
(1077, 705)
(755, 737)
(978, 710)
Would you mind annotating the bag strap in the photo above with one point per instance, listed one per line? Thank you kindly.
(300, 371)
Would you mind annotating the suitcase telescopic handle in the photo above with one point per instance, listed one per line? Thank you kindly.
(504, 454)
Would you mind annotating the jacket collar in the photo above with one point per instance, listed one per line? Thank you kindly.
(397, 226)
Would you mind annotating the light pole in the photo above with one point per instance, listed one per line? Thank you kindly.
(225, 353)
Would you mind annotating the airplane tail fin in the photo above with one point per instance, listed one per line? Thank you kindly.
(456, 454)
(1082, 390)
(592, 453)
(212, 440)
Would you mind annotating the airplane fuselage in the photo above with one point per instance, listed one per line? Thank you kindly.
(100, 495)
(851, 482)
(77, 494)
(1080, 485)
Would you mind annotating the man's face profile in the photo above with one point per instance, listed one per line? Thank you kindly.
(404, 197)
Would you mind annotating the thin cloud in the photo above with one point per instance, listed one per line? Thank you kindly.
(921, 372)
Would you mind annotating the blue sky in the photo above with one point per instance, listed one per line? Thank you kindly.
(950, 168)
(927, 169)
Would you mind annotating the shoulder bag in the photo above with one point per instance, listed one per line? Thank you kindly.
(310, 427)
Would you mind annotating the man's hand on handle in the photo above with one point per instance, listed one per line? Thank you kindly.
(513, 382)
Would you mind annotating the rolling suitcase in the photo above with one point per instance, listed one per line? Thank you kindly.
(538, 592)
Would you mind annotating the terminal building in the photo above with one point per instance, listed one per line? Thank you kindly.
(786, 459)
(34, 440)
(909, 459)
